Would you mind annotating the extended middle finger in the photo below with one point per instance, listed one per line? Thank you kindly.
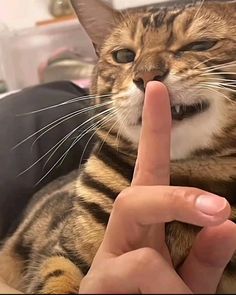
(153, 161)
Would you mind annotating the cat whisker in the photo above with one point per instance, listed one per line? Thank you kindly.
(199, 9)
(87, 130)
(226, 85)
(49, 171)
(210, 70)
(220, 86)
(85, 148)
(45, 127)
(202, 62)
(95, 127)
(74, 100)
(57, 122)
(122, 125)
(222, 79)
(206, 86)
(216, 81)
(110, 117)
(76, 114)
(58, 161)
(233, 62)
(217, 73)
(61, 141)
(104, 140)
(119, 134)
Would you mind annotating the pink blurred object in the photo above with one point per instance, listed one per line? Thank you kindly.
(35, 50)
(67, 64)
(86, 83)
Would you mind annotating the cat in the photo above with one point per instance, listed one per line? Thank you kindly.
(191, 49)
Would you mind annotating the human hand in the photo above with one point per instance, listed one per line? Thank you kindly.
(5, 289)
(133, 257)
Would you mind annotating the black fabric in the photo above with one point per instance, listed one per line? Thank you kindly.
(15, 190)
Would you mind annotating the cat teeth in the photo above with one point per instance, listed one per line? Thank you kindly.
(177, 109)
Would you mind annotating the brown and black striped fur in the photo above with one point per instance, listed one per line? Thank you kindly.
(63, 226)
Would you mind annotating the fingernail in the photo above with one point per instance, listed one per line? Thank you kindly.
(210, 205)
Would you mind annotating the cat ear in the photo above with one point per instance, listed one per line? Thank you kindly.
(97, 18)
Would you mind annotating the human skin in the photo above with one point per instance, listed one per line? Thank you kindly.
(133, 257)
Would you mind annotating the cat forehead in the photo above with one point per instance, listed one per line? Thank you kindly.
(173, 4)
(171, 27)
(180, 20)
(156, 15)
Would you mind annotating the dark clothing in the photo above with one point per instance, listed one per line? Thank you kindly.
(16, 190)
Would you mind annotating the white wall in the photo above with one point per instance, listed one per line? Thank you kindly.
(121, 4)
(24, 13)
(19, 14)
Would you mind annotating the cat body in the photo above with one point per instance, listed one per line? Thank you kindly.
(192, 50)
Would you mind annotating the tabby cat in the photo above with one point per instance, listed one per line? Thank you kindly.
(192, 49)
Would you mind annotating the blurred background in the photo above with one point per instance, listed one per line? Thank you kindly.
(42, 41)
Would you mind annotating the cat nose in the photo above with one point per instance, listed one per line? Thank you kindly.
(143, 78)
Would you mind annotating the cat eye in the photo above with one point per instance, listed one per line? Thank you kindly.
(199, 46)
(124, 56)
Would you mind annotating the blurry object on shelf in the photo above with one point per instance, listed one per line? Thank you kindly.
(3, 84)
(123, 4)
(60, 8)
(23, 51)
(3, 87)
(56, 20)
(22, 14)
(3, 28)
(67, 64)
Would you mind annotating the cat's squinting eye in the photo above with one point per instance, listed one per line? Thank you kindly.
(199, 46)
(124, 56)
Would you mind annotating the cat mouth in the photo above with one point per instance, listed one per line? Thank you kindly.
(181, 112)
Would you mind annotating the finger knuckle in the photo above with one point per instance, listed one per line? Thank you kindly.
(146, 257)
(99, 277)
(185, 194)
(122, 201)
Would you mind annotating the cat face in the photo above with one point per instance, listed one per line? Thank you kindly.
(192, 51)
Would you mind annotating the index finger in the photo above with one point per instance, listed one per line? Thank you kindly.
(153, 161)
(139, 208)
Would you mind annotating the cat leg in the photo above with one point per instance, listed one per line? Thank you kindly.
(227, 284)
(11, 269)
(56, 275)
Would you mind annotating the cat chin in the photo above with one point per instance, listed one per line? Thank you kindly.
(179, 148)
(132, 133)
(187, 135)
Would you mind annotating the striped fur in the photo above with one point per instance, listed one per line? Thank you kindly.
(63, 226)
